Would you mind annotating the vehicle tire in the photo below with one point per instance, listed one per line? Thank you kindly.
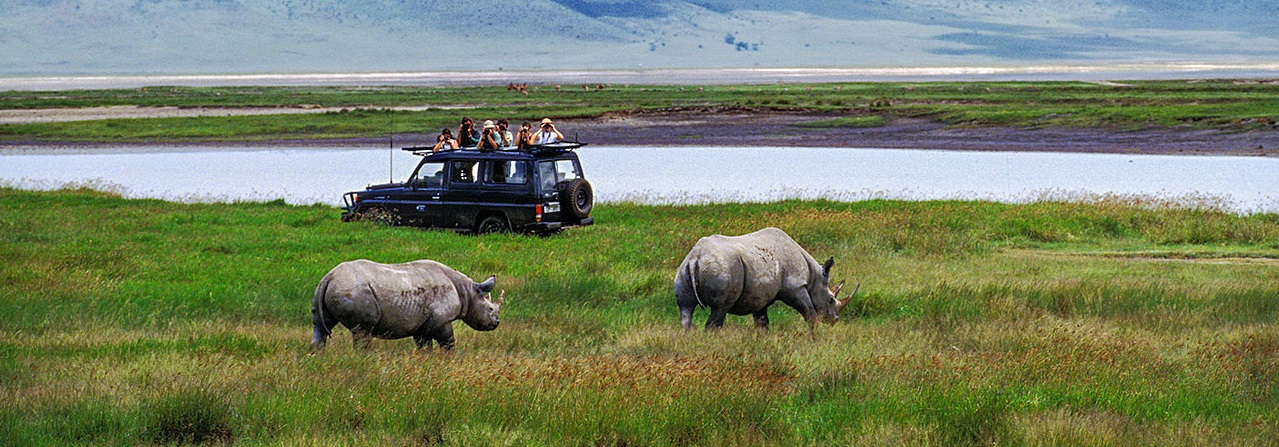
(493, 224)
(377, 215)
(577, 198)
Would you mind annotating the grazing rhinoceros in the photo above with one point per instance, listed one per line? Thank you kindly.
(743, 275)
(418, 299)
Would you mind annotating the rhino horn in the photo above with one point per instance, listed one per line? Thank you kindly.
(839, 305)
(837, 288)
(501, 297)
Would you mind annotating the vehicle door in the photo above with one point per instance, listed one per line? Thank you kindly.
(552, 176)
(462, 193)
(425, 195)
(508, 187)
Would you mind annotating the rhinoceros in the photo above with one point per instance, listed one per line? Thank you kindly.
(744, 275)
(418, 299)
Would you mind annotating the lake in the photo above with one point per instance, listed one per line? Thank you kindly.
(677, 174)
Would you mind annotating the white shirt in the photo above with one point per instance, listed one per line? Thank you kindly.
(547, 136)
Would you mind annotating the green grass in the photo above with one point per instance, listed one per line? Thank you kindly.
(1113, 322)
(1220, 105)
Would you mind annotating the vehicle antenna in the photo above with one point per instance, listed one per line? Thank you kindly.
(390, 173)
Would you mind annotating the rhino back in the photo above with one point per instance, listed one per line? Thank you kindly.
(714, 271)
(765, 265)
(774, 254)
(391, 300)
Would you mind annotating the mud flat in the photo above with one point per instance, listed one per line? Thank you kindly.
(746, 127)
(739, 128)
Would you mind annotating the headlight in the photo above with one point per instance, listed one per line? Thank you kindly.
(553, 207)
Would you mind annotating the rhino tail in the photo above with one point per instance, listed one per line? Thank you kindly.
(322, 329)
(690, 270)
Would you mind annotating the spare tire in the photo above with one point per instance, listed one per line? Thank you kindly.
(577, 198)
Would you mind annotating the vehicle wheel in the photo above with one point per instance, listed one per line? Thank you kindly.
(377, 215)
(493, 224)
(577, 198)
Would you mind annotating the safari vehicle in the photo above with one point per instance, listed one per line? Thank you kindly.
(537, 190)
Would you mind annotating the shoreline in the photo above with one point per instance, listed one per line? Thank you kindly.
(771, 128)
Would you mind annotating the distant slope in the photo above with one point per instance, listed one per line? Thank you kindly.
(67, 37)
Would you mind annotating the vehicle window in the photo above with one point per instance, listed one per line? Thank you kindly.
(430, 175)
(464, 171)
(552, 172)
(508, 172)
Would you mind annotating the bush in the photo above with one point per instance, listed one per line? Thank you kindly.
(195, 417)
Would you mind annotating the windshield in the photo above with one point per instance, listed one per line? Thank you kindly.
(552, 172)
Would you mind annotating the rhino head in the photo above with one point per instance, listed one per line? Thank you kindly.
(826, 302)
(482, 313)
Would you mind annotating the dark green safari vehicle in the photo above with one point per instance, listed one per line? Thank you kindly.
(537, 190)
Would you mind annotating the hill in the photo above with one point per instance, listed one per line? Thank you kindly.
(68, 37)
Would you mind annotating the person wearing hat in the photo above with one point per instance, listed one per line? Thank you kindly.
(548, 134)
(489, 138)
(445, 141)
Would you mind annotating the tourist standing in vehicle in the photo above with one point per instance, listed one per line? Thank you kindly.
(467, 135)
(526, 135)
(504, 134)
(547, 135)
(489, 138)
(445, 141)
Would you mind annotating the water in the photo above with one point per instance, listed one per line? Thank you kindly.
(679, 174)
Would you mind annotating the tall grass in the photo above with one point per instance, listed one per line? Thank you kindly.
(1051, 323)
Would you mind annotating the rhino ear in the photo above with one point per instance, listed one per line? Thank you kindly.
(826, 267)
(487, 285)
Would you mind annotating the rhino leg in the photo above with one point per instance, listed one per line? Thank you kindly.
(423, 341)
(318, 340)
(716, 320)
(686, 317)
(360, 338)
(321, 320)
(685, 298)
(761, 319)
(321, 335)
(444, 336)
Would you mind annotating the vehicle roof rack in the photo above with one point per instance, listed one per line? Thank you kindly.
(558, 146)
(418, 150)
(549, 148)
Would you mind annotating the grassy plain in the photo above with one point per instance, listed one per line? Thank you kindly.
(1218, 105)
(1113, 322)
